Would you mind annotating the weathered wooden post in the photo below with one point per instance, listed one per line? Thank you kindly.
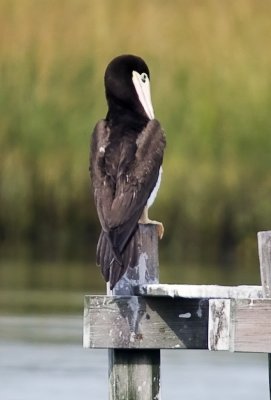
(264, 247)
(134, 374)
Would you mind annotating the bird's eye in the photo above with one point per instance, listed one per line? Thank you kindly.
(144, 77)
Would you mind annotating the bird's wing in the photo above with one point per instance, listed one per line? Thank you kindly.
(119, 209)
(134, 187)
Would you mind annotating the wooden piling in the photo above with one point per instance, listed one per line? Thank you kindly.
(264, 248)
(135, 374)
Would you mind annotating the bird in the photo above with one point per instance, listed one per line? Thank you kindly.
(126, 156)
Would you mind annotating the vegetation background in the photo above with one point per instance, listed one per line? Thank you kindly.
(210, 68)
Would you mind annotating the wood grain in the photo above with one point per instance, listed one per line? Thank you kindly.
(251, 326)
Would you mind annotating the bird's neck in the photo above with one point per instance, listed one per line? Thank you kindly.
(118, 115)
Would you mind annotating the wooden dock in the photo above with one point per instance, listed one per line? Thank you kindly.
(142, 316)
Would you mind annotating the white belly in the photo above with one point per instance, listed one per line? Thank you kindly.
(155, 190)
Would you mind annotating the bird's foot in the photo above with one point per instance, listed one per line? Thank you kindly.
(159, 226)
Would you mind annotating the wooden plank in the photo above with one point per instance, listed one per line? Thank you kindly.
(201, 291)
(137, 363)
(219, 324)
(264, 248)
(251, 325)
(145, 323)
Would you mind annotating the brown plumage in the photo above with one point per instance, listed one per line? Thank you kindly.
(126, 155)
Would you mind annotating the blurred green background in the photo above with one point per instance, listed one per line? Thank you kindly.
(210, 68)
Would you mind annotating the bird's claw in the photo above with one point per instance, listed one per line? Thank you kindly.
(160, 229)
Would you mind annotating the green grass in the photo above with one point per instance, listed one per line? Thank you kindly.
(210, 64)
(40, 302)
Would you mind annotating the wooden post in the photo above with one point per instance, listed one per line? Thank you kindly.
(135, 374)
(264, 247)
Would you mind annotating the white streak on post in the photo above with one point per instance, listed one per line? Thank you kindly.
(219, 324)
(186, 315)
(134, 307)
(142, 268)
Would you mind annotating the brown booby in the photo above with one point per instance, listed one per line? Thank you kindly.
(125, 162)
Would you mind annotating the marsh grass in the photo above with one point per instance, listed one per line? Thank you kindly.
(210, 63)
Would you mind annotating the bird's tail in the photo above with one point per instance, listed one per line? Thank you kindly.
(113, 266)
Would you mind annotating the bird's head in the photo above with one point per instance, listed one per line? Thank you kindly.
(127, 85)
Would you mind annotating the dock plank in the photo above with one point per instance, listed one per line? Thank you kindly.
(202, 291)
(143, 323)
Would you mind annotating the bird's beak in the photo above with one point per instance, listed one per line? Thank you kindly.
(142, 87)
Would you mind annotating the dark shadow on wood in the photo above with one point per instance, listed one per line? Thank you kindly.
(187, 318)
